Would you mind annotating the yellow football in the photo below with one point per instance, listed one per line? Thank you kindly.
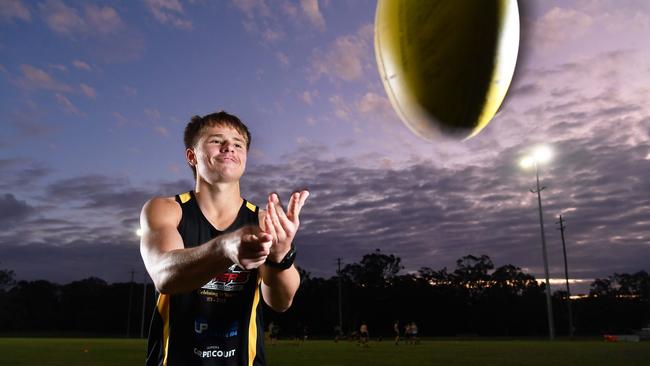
(446, 65)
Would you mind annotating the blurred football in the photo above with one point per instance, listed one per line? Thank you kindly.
(446, 65)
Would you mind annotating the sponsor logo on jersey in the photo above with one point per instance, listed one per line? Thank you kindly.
(204, 329)
(215, 353)
(232, 280)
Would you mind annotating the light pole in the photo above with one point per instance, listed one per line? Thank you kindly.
(338, 274)
(542, 154)
(138, 233)
(566, 276)
(144, 304)
(128, 314)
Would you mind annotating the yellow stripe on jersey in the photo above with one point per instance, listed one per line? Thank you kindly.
(250, 206)
(185, 197)
(252, 324)
(163, 310)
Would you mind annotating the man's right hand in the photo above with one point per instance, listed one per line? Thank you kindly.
(247, 247)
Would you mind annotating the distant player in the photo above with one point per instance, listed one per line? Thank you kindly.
(407, 333)
(414, 333)
(364, 335)
(396, 330)
(338, 333)
(274, 331)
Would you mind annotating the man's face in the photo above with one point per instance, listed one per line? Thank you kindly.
(220, 154)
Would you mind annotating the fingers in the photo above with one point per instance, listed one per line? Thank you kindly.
(270, 227)
(253, 250)
(295, 204)
(278, 216)
(251, 242)
(273, 212)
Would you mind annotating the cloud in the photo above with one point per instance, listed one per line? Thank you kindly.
(152, 113)
(344, 59)
(14, 9)
(31, 123)
(273, 20)
(311, 121)
(109, 259)
(283, 58)
(342, 110)
(427, 214)
(86, 222)
(61, 18)
(431, 216)
(21, 173)
(35, 78)
(162, 131)
(58, 67)
(88, 91)
(130, 91)
(308, 96)
(260, 19)
(169, 12)
(559, 25)
(14, 211)
(289, 9)
(529, 89)
(104, 20)
(67, 105)
(311, 10)
(372, 102)
(121, 120)
(81, 65)
(68, 21)
(91, 192)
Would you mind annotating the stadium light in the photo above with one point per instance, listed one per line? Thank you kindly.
(540, 155)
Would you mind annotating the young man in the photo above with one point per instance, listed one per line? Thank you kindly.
(211, 254)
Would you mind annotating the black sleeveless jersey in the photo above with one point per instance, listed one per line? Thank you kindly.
(219, 323)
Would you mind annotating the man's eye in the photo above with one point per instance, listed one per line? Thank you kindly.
(238, 145)
(215, 141)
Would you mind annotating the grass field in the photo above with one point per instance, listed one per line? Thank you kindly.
(122, 352)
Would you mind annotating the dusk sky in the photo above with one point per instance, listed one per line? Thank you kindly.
(94, 97)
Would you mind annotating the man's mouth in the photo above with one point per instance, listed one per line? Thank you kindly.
(225, 159)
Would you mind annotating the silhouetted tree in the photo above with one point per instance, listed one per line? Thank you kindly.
(375, 270)
(7, 280)
(632, 284)
(602, 287)
(473, 299)
(512, 280)
(471, 274)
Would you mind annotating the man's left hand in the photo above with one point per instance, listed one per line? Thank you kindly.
(283, 226)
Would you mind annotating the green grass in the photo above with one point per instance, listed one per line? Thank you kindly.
(89, 352)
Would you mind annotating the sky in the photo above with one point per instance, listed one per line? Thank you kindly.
(94, 97)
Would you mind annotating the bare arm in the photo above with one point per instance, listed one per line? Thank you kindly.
(279, 286)
(176, 269)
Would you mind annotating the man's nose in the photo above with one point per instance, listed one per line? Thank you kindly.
(227, 146)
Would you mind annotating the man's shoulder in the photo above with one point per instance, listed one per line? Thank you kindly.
(157, 206)
(163, 201)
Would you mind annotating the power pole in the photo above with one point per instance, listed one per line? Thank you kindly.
(144, 303)
(566, 275)
(338, 274)
(128, 314)
(549, 303)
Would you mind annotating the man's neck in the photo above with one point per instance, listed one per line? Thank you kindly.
(219, 202)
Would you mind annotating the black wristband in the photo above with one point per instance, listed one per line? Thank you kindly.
(286, 262)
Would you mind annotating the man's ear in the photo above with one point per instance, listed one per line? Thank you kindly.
(191, 157)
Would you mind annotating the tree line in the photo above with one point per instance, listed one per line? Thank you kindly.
(475, 299)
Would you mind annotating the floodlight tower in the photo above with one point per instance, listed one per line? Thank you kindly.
(542, 154)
